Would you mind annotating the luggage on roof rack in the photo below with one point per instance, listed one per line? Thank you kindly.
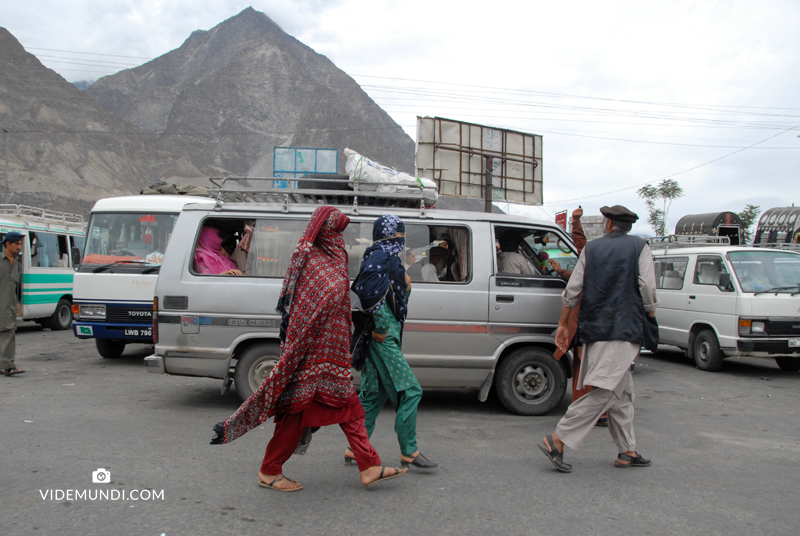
(263, 190)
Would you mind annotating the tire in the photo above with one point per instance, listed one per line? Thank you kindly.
(789, 364)
(110, 348)
(61, 318)
(254, 366)
(530, 382)
(707, 354)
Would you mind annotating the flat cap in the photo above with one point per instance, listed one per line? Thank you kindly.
(619, 213)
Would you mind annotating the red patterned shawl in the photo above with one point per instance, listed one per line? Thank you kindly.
(315, 357)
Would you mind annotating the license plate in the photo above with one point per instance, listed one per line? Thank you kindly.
(139, 332)
(794, 343)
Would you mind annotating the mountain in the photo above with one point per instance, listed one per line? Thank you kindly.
(229, 95)
(65, 150)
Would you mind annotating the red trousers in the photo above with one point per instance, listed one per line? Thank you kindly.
(289, 431)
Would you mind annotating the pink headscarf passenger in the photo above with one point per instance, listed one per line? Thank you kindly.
(207, 256)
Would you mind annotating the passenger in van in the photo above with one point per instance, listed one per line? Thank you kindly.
(311, 386)
(752, 278)
(508, 260)
(435, 269)
(210, 257)
(384, 288)
(410, 258)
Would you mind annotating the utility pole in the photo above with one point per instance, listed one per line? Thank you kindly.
(487, 192)
(5, 191)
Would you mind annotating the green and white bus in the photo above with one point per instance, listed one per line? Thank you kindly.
(49, 240)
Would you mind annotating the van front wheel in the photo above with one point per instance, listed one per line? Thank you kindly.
(530, 382)
(790, 364)
(253, 366)
(707, 355)
(109, 348)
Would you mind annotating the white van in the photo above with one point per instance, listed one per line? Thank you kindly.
(49, 237)
(719, 301)
(113, 298)
(471, 328)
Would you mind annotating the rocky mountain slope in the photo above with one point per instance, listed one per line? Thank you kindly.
(65, 150)
(229, 95)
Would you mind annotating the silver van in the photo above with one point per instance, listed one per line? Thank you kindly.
(468, 326)
(720, 301)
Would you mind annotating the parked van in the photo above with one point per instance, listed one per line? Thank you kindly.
(47, 273)
(719, 301)
(471, 327)
(113, 299)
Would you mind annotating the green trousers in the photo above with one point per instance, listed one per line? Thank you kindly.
(405, 403)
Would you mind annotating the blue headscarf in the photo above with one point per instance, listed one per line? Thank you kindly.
(383, 276)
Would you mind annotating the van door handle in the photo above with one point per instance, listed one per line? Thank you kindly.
(505, 299)
(692, 297)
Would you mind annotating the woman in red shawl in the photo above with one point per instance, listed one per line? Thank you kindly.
(311, 385)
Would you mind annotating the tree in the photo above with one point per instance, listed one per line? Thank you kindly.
(666, 191)
(748, 216)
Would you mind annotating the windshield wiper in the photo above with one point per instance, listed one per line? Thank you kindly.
(776, 290)
(107, 266)
(151, 269)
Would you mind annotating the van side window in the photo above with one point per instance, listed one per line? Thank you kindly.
(670, 272)
(440, 253)
(78, 242)
(48, 250)
(707, 270)
(526, 251)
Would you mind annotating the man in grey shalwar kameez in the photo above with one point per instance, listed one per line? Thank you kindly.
(614, 281)
(9, 283)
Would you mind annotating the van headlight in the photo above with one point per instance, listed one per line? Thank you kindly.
(748, 326)
(92, 312)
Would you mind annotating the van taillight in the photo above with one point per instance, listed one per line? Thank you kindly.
(155, 319)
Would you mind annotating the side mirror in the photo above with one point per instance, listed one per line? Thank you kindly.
(725, 282)
(76, 257)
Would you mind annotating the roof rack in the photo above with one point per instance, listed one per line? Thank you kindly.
(685, 241)
(262, 190)
(779, 245)
(42, 215)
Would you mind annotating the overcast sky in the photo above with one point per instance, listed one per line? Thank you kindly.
(624, 93)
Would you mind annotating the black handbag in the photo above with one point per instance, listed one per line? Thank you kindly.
(650, 334)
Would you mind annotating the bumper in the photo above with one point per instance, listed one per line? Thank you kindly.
(107, 330)
(154, 364)
(780, 347)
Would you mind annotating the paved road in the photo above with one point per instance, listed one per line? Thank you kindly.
(725, 449)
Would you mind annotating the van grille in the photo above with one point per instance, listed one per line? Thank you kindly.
(783, 327)
(131, 315)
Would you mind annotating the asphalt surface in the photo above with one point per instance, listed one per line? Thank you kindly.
(725, 449)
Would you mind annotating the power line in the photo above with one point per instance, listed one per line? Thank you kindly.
(89, 53)
(679, 172)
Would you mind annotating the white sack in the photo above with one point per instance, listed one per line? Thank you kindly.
(368, 172)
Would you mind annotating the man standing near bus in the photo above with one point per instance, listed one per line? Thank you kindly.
(10, 274)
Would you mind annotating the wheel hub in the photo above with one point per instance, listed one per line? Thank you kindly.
(531, 382)
(261, 371)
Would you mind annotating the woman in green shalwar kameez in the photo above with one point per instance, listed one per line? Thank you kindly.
(384, 288)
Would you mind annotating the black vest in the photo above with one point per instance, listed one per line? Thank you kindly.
(611, 305)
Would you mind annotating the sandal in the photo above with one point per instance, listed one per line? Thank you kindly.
(556, 457)
(278, 478)
(635, 461)
(398, 472)
(349, 457)
(12, 371)
(419, 461)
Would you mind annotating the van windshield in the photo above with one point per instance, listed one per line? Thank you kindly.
(130, 242)
(765, 270)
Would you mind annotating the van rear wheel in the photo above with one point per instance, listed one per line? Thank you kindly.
(789, 364)
(109, 348)
(254, 366)
(530, 382)
(61, 319)
(707, 355)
